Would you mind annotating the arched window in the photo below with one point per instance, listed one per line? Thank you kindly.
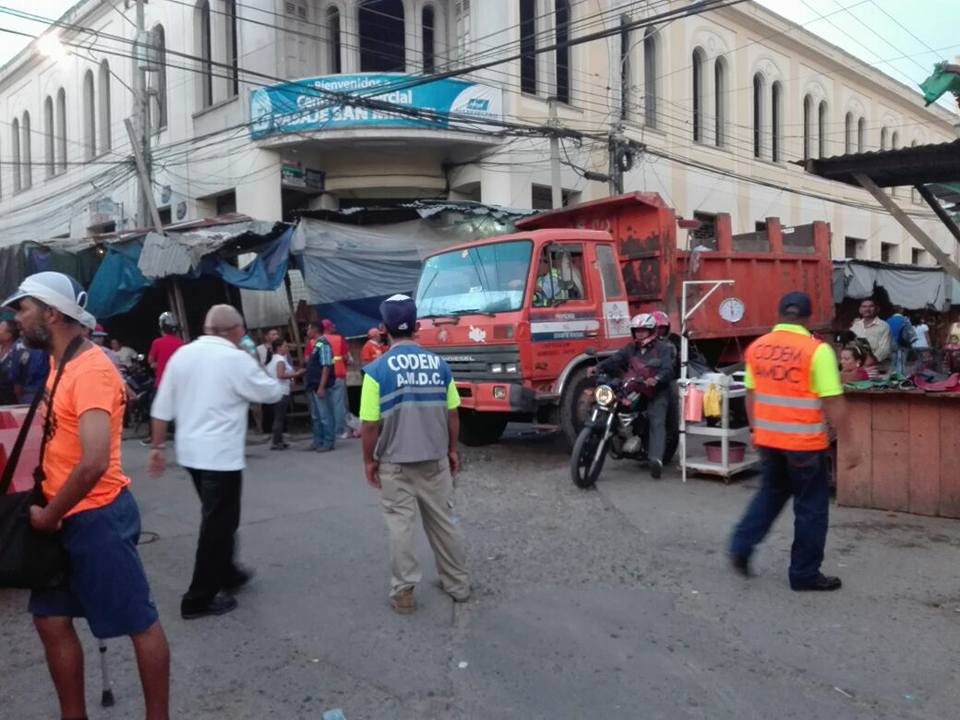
(776, 121)
(104, 118)
(15, 149)
(861, 134)
(895, 141)
(807, 127)
(720, 98)
(158, 112)
(49, 131)
(757, 115)
(463, 28)
(382, 36)
(650, 73)
(699, 60)
(334, 56)
(822, 127)
(61, 130)
(25, 154)
(429, 40)
(883, 138)
(562, 25)
(528, 46)
(626, 71)
(205, 53)
(233, 52)
(89, 117)
(848, 133)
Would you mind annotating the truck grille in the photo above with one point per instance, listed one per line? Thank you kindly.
(477, 363)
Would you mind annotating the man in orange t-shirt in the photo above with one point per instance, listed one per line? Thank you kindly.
(372, 348)
(87, 502)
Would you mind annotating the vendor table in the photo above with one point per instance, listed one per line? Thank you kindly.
(911, 454)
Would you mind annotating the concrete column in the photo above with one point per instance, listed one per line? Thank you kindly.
(262, 199)
(509, 188)
(350, 39)
(413, 60)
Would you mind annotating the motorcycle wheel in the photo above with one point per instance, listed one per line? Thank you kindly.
(585, 465)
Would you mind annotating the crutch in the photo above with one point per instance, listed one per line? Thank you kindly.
(106, 697)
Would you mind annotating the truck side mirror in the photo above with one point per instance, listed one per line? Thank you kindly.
(591, 352)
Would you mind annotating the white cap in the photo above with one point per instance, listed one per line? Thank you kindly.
(57, 290)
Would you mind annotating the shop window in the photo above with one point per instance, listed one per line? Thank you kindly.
(528, 46)
(888, 253)
(562, 25)
(89, 117)
(429, 49)
(382, 36)
(854, 248)
(699, 60)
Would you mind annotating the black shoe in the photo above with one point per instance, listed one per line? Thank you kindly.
(220, 605)
(741, 565)
(238, 581)
(656, 469)
(821, 583)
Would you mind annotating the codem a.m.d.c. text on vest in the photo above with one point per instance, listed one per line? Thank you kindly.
(788, 413)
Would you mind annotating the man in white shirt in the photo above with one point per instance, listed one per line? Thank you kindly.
(207, 387)
(873, 330)
(264, 349)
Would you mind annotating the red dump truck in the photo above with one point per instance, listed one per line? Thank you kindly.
(515, 315)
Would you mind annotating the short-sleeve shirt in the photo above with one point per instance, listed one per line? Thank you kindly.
(90, 382)
(275, 362)
(824, 370)
(161, 350)
(320, 357)
(410, 391)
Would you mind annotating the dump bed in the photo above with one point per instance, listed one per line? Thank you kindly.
(764, 264)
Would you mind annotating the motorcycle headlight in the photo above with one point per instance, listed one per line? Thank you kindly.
(604, 395)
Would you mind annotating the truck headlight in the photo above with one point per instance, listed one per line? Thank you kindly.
(604, 395)
(496, 367)
(510, 368)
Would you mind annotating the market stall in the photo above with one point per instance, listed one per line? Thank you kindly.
(909, 449)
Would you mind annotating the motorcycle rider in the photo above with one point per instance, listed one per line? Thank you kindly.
(651, 359)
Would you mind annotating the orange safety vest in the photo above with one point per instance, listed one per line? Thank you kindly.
(787, 414)
(339, 348)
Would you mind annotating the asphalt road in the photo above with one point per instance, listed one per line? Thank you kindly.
(615, 603)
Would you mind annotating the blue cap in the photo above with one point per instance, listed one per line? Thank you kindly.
(399, 313)
(796, 303)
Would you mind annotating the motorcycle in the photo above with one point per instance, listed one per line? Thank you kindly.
(140, 383)
(619, 427)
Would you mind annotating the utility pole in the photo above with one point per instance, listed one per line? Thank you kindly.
(617, 141)
(141, 141)
(556, 186)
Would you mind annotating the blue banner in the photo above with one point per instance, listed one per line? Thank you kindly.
(306, 105)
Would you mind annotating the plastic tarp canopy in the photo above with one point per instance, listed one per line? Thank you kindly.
(119, 283)
(349, 269)
(913, 288)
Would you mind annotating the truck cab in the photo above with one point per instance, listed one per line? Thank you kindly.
(514, 317)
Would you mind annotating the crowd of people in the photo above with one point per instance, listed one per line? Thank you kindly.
(206, 388)
(896, 347)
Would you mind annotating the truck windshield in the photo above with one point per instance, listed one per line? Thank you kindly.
(482, 279)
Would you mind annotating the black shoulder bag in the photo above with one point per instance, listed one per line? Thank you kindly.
(30, 559)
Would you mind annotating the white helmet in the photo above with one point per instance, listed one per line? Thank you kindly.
(643, 321)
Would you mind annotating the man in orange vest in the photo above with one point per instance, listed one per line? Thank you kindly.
(793, 390)
(341, 358)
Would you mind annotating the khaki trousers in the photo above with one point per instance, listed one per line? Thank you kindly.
(427, 487)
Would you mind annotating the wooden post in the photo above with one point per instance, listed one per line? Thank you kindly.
(946, 262)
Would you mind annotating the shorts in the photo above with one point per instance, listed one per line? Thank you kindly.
(106, 582)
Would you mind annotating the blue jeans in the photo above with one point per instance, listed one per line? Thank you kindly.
(322, 419)
(805, 476)
(899, 361)
(338, 394)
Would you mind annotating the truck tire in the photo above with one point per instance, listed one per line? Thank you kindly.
(478, 429)
(574, 407)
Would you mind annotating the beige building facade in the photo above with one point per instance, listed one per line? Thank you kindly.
(724, 102)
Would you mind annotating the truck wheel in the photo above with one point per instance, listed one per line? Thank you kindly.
(478, 429)
(575, 405)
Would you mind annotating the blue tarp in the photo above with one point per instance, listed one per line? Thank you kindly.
(353, 317)
(118, 285)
